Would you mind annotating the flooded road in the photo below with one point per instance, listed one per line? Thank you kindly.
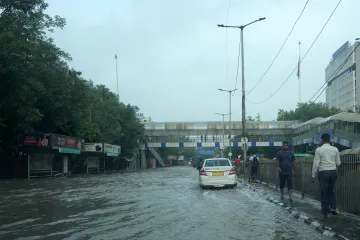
(154, 204)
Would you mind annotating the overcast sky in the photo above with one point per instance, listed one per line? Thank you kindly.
(172, 57)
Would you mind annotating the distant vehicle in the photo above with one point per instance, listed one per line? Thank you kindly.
(217, 172)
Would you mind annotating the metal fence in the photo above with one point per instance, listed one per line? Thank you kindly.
(347, 188)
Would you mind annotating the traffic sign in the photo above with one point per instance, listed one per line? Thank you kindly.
(230, 154)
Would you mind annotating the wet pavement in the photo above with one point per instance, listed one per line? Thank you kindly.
(157, 204)
(346, 225)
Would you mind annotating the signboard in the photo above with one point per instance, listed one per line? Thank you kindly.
(61, 141)
(93, 147)
(172, 157)
(36, 140)
(110, 149)
(139, 115)
(318, 135)
(205, 152)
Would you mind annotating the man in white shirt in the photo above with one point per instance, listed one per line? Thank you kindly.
(326, 159)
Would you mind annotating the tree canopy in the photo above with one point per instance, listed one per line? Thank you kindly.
(39, 92)
(257, 118)
(307, 111)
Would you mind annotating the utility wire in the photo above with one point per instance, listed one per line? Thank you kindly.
(336, 72)
(238, 64)
(288, 78)
(226, 43)
(278, 53)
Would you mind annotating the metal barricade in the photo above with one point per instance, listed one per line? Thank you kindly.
(347, 188)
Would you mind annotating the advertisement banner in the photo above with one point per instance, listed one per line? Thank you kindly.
(61, 141)
(110, 149)
(93, 147)
(139, 115)
(318, 136)
(36, 140)
(172, 157)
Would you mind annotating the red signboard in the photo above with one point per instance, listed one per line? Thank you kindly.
(50, 140)
(65, 142)
(38, 140)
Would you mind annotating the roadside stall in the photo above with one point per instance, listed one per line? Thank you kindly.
(92, 155)
(99, 157)
(48, 154)
(112, 160)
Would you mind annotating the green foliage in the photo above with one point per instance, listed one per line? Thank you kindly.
(257, 118)
(39, 92)
(250, 118)
(357, 109)
(307, 111)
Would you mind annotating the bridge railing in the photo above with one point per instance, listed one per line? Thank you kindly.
(347, 188)
(218, 125)
(215, 139)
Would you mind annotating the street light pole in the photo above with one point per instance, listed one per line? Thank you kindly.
(230, 113)
(243, 80)
(223, 117)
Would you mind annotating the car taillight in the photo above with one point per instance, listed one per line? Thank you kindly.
(202, 172)
(232, 171)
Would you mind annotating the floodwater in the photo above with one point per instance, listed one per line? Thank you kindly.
(164, 203)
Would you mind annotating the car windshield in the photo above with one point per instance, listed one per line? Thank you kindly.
(217, 163)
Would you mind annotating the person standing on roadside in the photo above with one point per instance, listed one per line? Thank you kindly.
(285, 163)
(237, 165)
(254, 167)
(326, 159)
(200, 164)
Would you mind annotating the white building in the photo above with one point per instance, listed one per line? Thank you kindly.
(142, 118)
(343, 86)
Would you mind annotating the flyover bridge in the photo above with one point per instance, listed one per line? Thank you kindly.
(344, 129)
(260, 131)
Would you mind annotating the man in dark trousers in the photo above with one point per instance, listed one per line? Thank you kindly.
(200, 164)
(254, 167)
(326, 159)
(285, 163)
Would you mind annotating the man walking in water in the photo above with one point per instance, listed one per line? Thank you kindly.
(285, 163)
(326, 159)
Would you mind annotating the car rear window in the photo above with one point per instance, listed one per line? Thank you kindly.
(217, 163)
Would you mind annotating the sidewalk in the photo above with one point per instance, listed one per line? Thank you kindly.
(341, 226)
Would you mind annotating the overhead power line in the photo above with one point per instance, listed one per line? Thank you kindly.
(335, 73)
(287, 79)
(226, 42)
(278, 53)
(238, 64)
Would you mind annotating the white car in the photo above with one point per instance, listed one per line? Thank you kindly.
(217, 172)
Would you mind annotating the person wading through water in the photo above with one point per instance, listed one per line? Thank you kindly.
(285, 163)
